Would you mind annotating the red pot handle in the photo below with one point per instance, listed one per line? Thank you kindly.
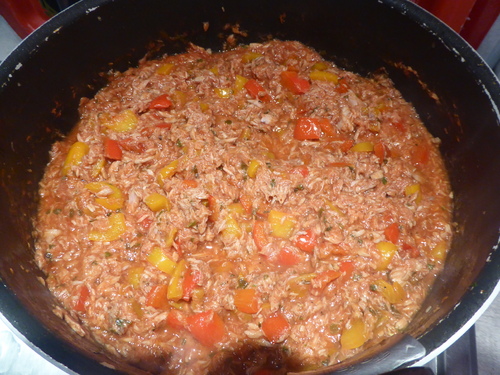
(23, 16)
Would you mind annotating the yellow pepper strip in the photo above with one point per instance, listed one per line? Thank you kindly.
(169, 241)
(319, 75)
(117, 228)
(236, 208)
(393, 293)
(113, 201)
(137, 308)
(134, 276)
(232, 228)
(97, 168)
(253, 166)
(223, 93)
(157, 202)
(414, 189)
(215, 70)
(158, 259)
(250, 56)
(362, 147)
(167, 171)
(300, 285)
(386, 250)
(204, 107)
(239, 83)
(165, 69)
(439, 251)
(354, 336)
(122, 122)
(282, 225)
(320, 66)
(175, 291)
(75, 155)
(333, 207)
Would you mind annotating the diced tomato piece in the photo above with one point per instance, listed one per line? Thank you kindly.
(157, 297)
(346, 268)
(346, 145)
(206, 327)
(190, 183)
(307, 128)
(297, 85)
(256, 91)
(130, 144)
(146, 223)
(342, 87)
(301, 169)
(326, 126)
(164, 125)
(325, 278)
(306, 241)
(112, 149)
(191, 280)
(214, 207)
(246, 202)
(246, 300)
(420, 155)
(83, 296)
(287, 257)
(259, 234)
(176, 319)
(411, 250)
(392, 233)
(276, 328)
(381, 151)
(161, 102)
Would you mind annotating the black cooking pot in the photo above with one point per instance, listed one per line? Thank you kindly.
(456, 95)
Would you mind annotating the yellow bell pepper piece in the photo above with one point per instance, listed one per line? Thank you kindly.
(320, 75)
(394, 293)
(320, 66)
(97, 168)
(362, 147)
(386, 251)
(117, 227)
(122, 122)
(157, 202)
(438, 252)
(239, 83)
(232, 228)
(236, 208)
(75, 155)
(215, 70)
(165, 69)
(253, 167)
(414, 189)
(158, 259)
(113, 201)
(354, 336)
(134, 276)
(282, 224)
(169, 241)
(167, 171)
(204, 107)
(223, 93)
(175, 291)
(250, 56)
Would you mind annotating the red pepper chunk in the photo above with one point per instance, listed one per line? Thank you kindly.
(276, 328)
(297, 85)
(392, 233)
(161, 102)
(82, 299)
(206, 327)
(256, 91)
(112, 149)
(306, 241)
(325, 278)
(287, 257)
(191, 279)
(157, 297)
(307, 128)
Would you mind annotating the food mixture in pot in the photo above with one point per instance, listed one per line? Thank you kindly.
(261, 197)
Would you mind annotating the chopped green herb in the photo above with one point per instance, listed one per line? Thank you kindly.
(57, 211)
(193, 224)
(373, 287)
(299, 188)
(229, 122)
(273, 183)
(107, 254)
(179, 143)
(384, 180)
(242, 283)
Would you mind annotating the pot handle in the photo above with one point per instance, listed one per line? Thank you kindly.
(24, 16)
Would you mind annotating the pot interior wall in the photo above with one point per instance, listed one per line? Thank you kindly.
(453, 94)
